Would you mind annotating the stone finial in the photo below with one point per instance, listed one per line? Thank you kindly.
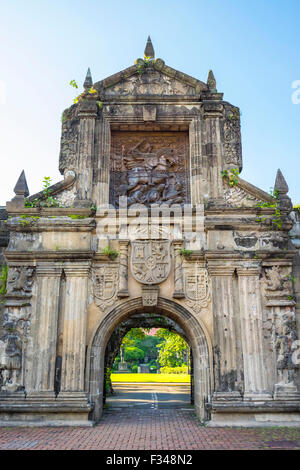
(21, 188)
(21, 191)
(280, 184)
(211, 82)
(149, 50)
(282, 189)
(88, 82)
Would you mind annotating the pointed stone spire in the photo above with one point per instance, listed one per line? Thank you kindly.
(21, 188)
(211, 82)
(282, 189)
(88, 82)
(280, 184)
(21, 191)
(149, 50)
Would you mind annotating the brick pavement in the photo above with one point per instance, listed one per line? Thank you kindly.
(151, 429)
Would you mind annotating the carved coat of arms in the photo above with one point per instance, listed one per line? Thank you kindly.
(196, 287)
(105, 281)
(150, 260)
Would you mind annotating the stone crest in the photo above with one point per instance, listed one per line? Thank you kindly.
(150, 260)
(196, 287)
(105, 282)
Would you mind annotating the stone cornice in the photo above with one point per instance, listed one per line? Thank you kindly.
(55, 223)
(15, 256)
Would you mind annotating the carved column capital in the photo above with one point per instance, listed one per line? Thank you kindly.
(221, 270)
(249, 270)
(48, 270)
(77, 269)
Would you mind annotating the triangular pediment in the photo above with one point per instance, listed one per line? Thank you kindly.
(156, 79)
(244, 194)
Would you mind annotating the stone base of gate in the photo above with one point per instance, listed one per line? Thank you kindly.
(38, 410)
(258, 414)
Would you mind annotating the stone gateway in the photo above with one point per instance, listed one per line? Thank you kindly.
(151, 226)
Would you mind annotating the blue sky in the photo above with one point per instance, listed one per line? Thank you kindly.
(252, 47)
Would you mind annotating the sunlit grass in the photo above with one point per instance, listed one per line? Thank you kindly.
(165, 378)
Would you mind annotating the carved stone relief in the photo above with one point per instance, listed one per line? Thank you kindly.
(236, 196)
(232, 138)
(152, 82)
(150, 260)
(68, 145)
(20, 281)
(277, 282)
(196, 287)
(149, 168)
(105, 283)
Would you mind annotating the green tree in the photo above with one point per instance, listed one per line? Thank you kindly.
(173, 350)
(133, 354)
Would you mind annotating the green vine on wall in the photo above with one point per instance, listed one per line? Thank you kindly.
(48, 200)
(276, 219)
(231, 176)
(142, 65)
(112, 254)
(3, 280)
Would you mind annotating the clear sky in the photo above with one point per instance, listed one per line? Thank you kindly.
(251, 45)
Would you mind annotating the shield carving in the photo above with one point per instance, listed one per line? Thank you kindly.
(105, 283)
(196, 285)
(150, 260)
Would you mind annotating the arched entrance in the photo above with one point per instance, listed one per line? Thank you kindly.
(195, 332)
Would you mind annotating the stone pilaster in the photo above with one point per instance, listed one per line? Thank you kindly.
(44, 334)
(102, 152)
(178, 275)
(87, 115)
(255, 376)
(226, 331)
(74, 329)
(123, 268)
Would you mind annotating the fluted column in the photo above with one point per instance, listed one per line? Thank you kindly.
(178, 275)
(123, 268)
(255, 368)
(74, 329)
(45, 330)
(226, 342)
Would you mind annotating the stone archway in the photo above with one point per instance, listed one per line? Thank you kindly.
(194, 331)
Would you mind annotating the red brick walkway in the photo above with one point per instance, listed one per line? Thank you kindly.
(171, 429)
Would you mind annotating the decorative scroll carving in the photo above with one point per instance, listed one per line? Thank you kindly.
(196, 287)
(236, 196)
(20, 281)
(232, 138)
(105, 282)
(150, 260)
(150, 83)
(69, 143)
(149, 168)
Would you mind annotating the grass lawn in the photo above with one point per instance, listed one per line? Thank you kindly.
(182, 378)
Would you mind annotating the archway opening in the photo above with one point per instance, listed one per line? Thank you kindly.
(132, 314)
(148, 365)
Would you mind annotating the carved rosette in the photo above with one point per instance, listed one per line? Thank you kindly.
(105, 285)
(196, 287)
(150, 261)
